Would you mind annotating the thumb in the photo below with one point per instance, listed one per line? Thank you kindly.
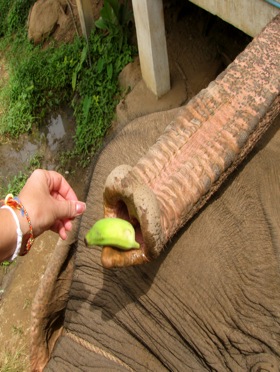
(69, 209)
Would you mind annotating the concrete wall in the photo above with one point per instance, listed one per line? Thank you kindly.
(249, 16)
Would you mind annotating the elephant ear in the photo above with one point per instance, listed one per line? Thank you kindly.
(49, 304)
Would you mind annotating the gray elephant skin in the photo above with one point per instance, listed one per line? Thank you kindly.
(209, 302)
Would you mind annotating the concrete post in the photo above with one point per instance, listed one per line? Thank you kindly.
(150, 30)
(86, 16)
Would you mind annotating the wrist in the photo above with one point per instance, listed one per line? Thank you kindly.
(23, 222)
(24, 226)
(11, 236)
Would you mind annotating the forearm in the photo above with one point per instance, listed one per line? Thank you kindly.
(8, 234)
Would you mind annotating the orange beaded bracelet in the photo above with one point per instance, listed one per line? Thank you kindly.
(14, 202)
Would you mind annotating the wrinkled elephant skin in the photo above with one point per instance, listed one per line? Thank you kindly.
(209, 302)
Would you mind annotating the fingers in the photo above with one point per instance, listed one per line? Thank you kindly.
(62, 227)
(59, 187)
(68, 225)
(48, 191)
(68, 209)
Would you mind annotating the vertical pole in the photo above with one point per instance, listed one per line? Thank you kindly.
(150, 30)
(86, 16)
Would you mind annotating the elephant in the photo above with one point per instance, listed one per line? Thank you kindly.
(204, 295)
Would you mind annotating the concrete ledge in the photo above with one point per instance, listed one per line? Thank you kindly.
(248, 16)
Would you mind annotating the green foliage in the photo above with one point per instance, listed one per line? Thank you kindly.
(5, 265)
(115, 17)
(4, 9)
(79, 66)
(18, 181)
(13, 15)
(39, 82)
(99, 92)
(84, 74)
(14, 361)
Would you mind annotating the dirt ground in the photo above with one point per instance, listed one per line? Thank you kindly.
(200, 46)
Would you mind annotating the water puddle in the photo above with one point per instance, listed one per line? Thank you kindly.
(47, 143)
(55, 131)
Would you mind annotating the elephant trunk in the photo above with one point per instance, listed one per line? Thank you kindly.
(198, 150)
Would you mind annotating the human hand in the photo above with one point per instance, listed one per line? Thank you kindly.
(50, 202)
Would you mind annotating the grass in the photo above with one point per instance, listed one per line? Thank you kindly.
(13, 357)
(14, 361)
(17, 182)
(99, 92)
(83, 75)
(5, 265)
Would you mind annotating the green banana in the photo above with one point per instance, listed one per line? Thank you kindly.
(113, 232)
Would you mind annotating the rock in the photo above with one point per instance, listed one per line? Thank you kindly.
(130, 75)
(44, 17)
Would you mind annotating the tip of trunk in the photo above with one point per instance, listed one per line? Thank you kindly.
(125, 198)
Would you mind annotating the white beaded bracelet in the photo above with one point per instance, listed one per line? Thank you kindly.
(19, 232)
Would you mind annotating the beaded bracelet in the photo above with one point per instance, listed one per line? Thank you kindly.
(15, 203)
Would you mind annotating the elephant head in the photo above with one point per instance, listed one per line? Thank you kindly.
(211, 299)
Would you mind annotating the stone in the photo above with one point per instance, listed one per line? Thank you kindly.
(44, 18)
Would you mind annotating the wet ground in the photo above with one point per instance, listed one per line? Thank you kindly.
(46, 145)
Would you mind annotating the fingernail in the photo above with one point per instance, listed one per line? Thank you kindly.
(80, 207)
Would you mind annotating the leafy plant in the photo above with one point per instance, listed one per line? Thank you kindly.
(18, 181)
(115, 17)
(5, 265)
(79, 66)
(4, 6)
(41, 80)
(13, 15)
(99, 93)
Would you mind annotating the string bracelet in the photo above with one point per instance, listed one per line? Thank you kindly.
(14, 202)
